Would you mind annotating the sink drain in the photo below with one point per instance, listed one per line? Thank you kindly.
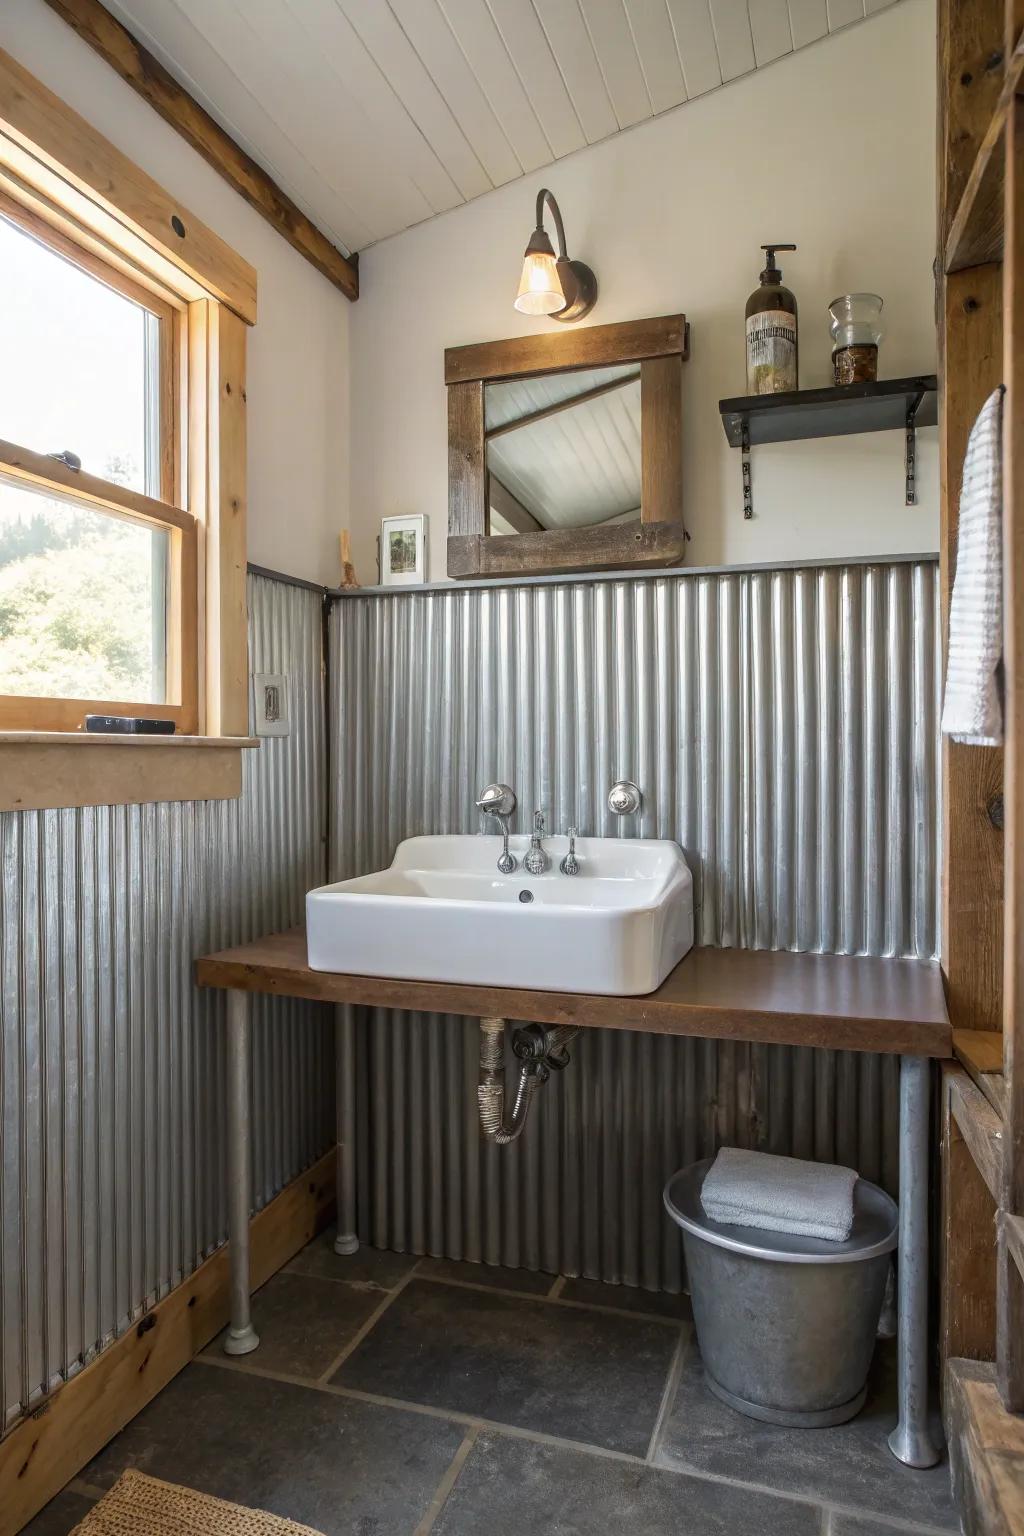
(525, 896)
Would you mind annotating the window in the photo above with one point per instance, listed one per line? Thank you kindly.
(97, 560)
(123, 337)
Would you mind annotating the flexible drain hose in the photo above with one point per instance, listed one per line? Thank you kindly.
(542, 1051)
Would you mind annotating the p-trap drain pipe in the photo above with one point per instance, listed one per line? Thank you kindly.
(539, 1051)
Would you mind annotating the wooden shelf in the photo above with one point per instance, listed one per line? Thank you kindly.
(976, 231)
(841, 1002)
(882, 406)
(980, 1052)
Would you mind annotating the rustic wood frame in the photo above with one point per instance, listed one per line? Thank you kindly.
(75, 189)
(660, 345)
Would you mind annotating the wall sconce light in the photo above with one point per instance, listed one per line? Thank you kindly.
(565, 289)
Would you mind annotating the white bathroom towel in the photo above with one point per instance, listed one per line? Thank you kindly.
(779, 1194)
(972, 709)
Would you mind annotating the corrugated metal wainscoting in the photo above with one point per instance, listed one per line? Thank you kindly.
(783, 728)
(111, 1063)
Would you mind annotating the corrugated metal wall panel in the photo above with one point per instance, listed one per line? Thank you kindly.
(111, 1062)
(783, 727)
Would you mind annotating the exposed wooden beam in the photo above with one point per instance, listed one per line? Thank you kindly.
(509, 508)
(62, 169)
(562, 405)
(146, 75)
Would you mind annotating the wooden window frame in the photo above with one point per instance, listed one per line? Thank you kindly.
(67, 185)
(44, 473)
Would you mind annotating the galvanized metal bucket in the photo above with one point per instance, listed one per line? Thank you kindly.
(786, 1325)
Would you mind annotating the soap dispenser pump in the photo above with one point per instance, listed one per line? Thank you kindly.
(772, 354)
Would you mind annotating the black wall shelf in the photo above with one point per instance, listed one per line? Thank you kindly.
(883, 406)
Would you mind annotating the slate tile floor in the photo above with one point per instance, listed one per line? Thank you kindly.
(396, 1397)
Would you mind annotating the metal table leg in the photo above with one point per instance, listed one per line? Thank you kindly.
(241, 1337)
(347, 1240)
(911, 1440)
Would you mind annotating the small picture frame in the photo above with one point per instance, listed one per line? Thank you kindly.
(403, 550)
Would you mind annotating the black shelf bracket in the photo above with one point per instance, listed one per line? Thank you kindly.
(911, 452)
(877, 405)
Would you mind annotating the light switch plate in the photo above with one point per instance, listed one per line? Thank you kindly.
(270, 690)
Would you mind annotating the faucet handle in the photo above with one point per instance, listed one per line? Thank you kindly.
(536, 861)
(497, 800)
(570, 865)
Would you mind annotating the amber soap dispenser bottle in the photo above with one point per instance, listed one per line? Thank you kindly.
(772, 354)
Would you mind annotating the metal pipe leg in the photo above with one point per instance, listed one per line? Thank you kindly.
(241, 1337)
(911, 1441)
(347, 1240)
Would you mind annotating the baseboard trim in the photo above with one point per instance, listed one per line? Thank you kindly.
(53, 1443)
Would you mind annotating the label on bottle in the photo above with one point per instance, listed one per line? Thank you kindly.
(771, 352)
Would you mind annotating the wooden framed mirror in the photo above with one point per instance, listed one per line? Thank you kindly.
(565, 451)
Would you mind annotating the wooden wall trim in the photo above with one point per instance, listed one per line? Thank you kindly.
(1010, 1301)
(49, 1447)
(217, 495)
(44, 143)
(148, 77)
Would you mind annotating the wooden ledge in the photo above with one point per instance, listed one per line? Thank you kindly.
(980, 1053)
(118, 739)
(840, 1002)
(51, 770)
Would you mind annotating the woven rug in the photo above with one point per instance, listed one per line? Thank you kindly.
(138, 1505)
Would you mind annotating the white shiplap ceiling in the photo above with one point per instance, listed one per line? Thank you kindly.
(376, 114)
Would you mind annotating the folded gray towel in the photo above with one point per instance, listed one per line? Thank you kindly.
(779, 1194)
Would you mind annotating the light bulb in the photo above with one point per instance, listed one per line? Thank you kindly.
(540, 291)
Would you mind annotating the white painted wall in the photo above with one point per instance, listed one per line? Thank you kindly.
(832, 148)
(298, 364)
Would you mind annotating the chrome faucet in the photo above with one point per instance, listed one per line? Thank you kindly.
(570, 865)
(499, 801)
(536, 861)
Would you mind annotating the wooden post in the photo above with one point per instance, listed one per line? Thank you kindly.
(1010, 1285)
(970, 73)
(970, 368)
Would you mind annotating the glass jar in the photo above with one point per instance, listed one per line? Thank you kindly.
(855, 337)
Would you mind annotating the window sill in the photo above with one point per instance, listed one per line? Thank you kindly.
(49, 770)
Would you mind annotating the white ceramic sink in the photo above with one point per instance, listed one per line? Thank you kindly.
(442, 912)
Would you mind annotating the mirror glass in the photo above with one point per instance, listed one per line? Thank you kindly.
(563, 450)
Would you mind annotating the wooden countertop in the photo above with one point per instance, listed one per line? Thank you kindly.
(774, 997)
